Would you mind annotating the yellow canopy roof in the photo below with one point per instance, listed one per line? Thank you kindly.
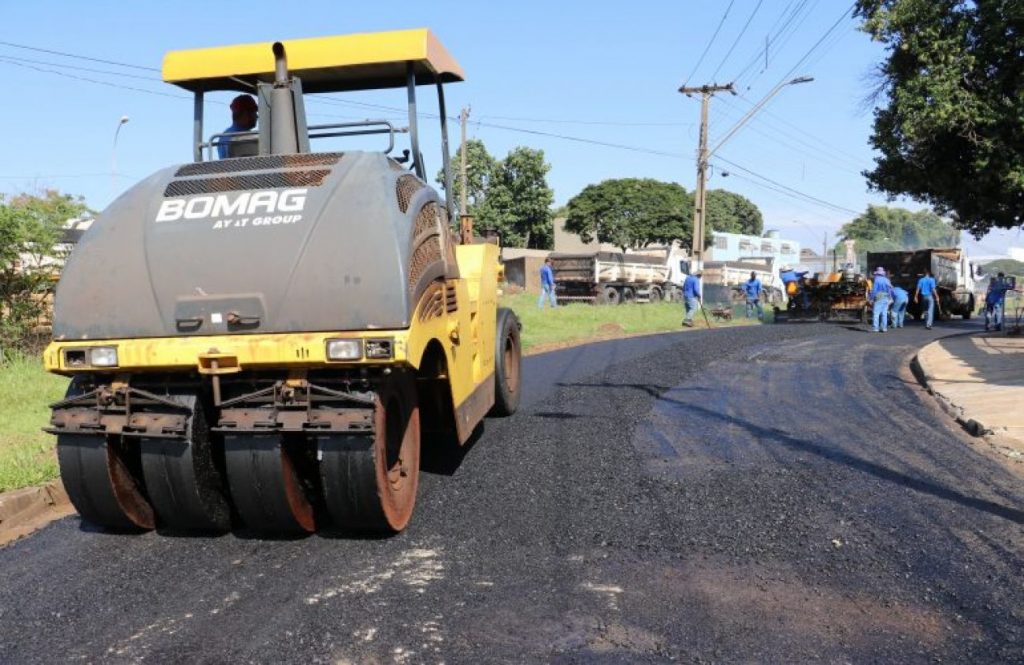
(325, 64)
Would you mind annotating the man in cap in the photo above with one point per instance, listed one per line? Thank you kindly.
(881, 295)
(243, 119)
(693, 299)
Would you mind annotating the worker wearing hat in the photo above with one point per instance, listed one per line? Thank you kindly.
(881, 295)
(243, 119)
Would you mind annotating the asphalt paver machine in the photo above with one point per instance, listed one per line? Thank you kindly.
(269, 340)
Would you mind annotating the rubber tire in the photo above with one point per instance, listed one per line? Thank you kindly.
(356, 469)
(655, 295)
(508, 355)
(612, 296)
(628, 296)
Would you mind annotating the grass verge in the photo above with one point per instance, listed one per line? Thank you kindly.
(568, 324)
(26, 453)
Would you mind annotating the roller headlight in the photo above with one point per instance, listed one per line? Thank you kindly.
(103, 356)
(344, 349)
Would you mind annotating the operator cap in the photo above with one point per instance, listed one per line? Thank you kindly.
(243, 103)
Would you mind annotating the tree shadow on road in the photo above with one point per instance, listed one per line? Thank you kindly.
(784, 438)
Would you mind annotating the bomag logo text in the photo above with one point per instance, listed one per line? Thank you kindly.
(269, 203)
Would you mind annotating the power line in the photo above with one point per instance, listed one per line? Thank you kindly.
(11, 58)
(608, 123)
(710, 42)
(794, 192)
(772, 41)
(818, 43)
(91, 80)
(738, 38)
(80, 57)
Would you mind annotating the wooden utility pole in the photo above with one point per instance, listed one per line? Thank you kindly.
(700, 195)
(465, 221)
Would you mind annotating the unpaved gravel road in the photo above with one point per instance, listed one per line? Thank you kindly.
(766, 494)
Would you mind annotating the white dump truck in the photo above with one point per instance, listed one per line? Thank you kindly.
(614, 277)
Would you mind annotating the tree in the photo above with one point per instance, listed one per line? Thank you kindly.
(30, 227)
(881, 229)
(729, 212)
(949, 132)
(480, 168)
(1005, 266)
(518, 203)
(510, 196)
(632, 213)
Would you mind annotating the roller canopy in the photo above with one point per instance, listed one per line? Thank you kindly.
(325, 64)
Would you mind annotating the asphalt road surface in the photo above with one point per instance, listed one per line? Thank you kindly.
(770, 494)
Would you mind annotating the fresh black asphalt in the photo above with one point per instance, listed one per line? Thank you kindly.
(768, 494)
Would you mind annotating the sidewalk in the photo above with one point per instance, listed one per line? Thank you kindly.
(979, 380)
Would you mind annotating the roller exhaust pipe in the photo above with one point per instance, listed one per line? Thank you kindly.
(283, 130)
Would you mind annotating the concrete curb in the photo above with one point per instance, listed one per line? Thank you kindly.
(921, 372)
(25, 510)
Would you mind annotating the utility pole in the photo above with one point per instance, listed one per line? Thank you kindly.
(824, 254)
(700, 195)
(465, 221)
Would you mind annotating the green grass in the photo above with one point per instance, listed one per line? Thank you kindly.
(26, 453)
(576, 322)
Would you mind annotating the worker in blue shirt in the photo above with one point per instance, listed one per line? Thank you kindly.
(881, 295)
(926, 288)
(995, 301)
(547, 285)
(752, 288)
(243, 118)
(900, 298)
(692, 297)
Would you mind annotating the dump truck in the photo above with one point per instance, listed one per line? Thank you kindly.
(953, 272)
(271, 340)
(611, 278)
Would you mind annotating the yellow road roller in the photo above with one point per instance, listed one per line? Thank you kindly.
(268, 335)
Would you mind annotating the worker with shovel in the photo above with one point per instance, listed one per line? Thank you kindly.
(693, 299)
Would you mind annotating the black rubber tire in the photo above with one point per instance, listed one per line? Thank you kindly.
(267, 491)
(370, 480)
(508, 356)
(184, 485)
(628, 295)
(612, 296)
(102, 479)
(101, 486)
(655, 295)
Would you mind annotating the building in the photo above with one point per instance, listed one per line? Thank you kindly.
(570, 243)
(731, 247)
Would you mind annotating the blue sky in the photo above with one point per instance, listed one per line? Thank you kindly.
(576, 72)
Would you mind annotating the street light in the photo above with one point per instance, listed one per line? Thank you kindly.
(704, 156)
(113, 155)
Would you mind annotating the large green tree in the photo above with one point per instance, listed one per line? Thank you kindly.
(949, 129)
(632, 213)
(30, 228)
(510, 196)
(882, 228)
(729, 212)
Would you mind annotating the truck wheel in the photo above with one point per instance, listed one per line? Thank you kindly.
(507, 364)
(628, 295)
(611, 295)
(655, 295)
